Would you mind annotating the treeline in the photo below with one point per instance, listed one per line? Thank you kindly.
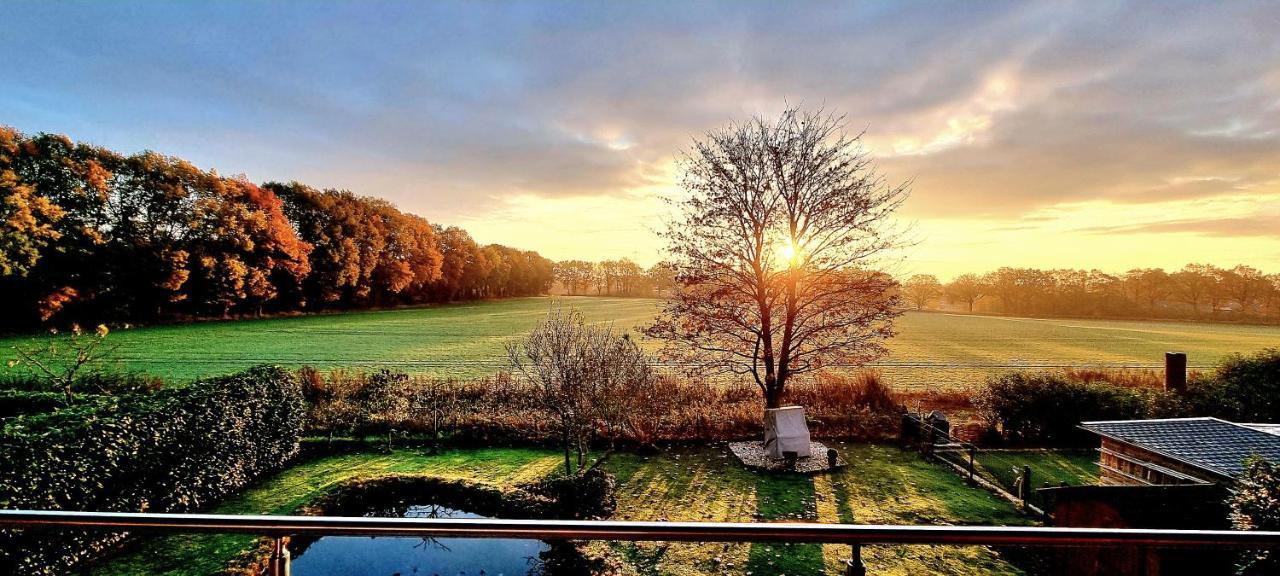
(1197, 291)
(613, 278)
(89, 235)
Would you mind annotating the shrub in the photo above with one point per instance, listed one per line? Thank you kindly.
(1255, 505)
(171, 451)
(1047, 407)
(19, 402)
(1241, 389)
(505, 408)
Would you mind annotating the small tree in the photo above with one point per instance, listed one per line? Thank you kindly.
(62, 359)
(584, 373)
(437, 401)
(1255, 505)
(384, 402)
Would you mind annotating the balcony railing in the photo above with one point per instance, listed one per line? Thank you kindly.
(855, 535)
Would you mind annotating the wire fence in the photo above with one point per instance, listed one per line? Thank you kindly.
(1005, 473)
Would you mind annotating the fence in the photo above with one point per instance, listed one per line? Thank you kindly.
(855, 535)
(997, 471)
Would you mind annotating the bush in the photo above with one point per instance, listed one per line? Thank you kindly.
(1241, 389)
(1255, 505)
(504, 408)
(171, 451)
(1047, 407)
(19, 402)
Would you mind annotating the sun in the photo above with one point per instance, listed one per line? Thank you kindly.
(789, 252)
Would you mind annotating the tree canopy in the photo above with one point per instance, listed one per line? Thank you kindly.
(775, 251)
(88, 235)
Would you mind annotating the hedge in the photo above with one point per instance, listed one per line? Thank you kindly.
(1047, 407)
(20, 402)
(171, 451)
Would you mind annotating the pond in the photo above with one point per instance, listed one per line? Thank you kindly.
(389, 556)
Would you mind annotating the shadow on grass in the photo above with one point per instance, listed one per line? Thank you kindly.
(785, 498)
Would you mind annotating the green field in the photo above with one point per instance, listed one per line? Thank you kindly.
(931, 349)
(881, 485)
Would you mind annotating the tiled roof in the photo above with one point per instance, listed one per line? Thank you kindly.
(1207, 443)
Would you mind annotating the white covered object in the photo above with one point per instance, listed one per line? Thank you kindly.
(785, 431)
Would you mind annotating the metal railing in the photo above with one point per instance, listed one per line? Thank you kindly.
(855, 535)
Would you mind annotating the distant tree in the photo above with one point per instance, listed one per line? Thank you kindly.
(1148, 286)
(1004, 284)
(773, 249)
(921, 290)
(967, 289)
(1194, 284)
(661, 278)
(575, 275)
(1243, 285)
(245, 246)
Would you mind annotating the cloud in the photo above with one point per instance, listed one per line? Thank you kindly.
(457, 110)
(1245, 227)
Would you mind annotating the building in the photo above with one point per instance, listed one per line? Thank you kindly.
(1180, 451)
(1170, 473)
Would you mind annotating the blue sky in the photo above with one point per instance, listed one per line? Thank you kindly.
(1088, 134)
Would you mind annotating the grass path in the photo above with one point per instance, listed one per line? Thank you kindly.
(882, 485)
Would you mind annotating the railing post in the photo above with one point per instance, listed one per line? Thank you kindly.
(972, 448)
(278, 564)
(854, 566)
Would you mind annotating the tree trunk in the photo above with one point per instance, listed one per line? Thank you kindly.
(564, 435)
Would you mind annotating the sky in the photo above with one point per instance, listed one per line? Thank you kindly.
(1047, 134)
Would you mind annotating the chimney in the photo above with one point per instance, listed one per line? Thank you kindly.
(1175, 371)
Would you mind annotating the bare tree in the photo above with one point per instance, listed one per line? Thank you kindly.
(774, 249)
(585, 374)
(436, 400)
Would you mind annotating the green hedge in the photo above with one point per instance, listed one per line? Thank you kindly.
(20, 402)
(1047, 408)
(171, 451)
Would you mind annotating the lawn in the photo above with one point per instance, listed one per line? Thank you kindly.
(1048, 467)
(882, 485)
(931, 349)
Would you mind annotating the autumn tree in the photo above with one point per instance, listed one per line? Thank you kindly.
(26, 218)
(967, 289)
(921, 290)
(773, 249)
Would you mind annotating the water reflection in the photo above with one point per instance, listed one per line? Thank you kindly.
(390, 556)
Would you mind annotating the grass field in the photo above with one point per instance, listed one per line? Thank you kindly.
(931, 349)
(882, 485)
